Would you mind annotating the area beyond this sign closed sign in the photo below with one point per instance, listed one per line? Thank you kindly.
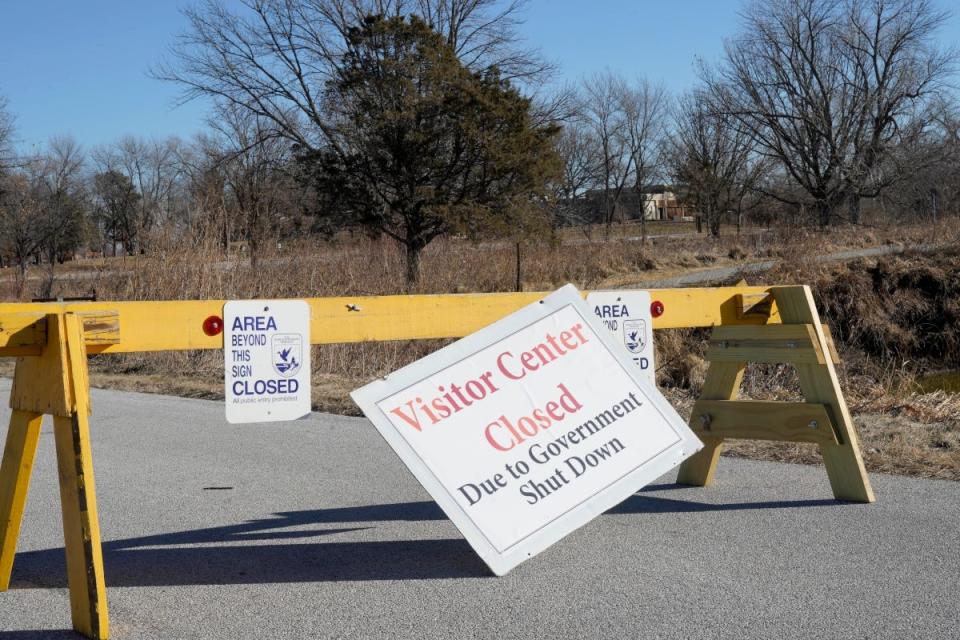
(529, 428)
(266, 348)
(626, 314)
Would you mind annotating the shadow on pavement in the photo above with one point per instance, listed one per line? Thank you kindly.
(639, 503)
(261, 563)
(169, 559)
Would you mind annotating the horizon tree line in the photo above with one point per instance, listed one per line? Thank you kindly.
(416, 119)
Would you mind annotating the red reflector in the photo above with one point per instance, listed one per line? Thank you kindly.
(213, 325)
(656, 308)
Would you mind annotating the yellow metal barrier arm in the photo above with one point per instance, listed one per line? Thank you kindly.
(177, 325)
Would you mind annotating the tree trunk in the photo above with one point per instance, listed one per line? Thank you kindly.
(739, 215)
(413, 264)
(853, 208)
(519, 282)
(253, 243)
(47, 290)
(824, 214)
(21, 276)
(225, 235)
(608, 221)
(715, 226)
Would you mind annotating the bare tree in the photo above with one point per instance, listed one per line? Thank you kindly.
(602, 109)
(581, 164)
(6, 136)
(275, 57)
(154, 168)
(19, 222)
(254, 163)
(57, 181)
(645, 106)
(929, 184)
(826, 87)
(894, 65)
(713, 159)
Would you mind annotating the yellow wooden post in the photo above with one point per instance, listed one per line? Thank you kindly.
(18, 456)
(819, 383)
(722, 382)
(78, 497)
(56, 382)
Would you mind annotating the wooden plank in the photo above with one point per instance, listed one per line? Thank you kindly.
(771, 343)
(754, 305)
(41, 383)
(819, 383)
(801, 334)
(176, 325)
(762, 420)
(768, 354)
(100, 327)
(19, 454)
(831, 346)
(78, 499)
(22, 334)
(722, 382)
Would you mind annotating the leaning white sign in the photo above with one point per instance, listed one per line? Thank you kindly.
(626, 314)
(529, 428)
(266, 350)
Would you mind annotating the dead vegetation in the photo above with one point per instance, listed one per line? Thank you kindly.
(894, 317)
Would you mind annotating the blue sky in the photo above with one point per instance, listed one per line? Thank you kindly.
(80, 67)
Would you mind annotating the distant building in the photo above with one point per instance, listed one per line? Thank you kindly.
(662, 204)
(659, 203)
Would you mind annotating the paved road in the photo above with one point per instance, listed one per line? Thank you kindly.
(314, 529)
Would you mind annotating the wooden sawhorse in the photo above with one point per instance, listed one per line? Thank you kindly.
(55, 383)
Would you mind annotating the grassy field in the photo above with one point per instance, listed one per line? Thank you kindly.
(892, 319)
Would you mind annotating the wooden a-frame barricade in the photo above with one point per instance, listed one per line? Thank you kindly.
(52, 340)
(822, 419)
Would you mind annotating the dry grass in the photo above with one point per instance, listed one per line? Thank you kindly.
(902, 432)
(917, 435)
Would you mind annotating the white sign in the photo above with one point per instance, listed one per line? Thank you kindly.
(626, 314)
(529, 428)
(266, 350)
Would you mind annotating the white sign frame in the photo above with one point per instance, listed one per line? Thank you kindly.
(293, 329)
(686, 444)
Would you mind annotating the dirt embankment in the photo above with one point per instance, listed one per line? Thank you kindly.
(902, 310)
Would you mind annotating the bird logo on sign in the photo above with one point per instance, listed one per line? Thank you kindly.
(287, 353)
(635, 335)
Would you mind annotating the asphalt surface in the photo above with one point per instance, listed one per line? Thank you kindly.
(314, 529)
